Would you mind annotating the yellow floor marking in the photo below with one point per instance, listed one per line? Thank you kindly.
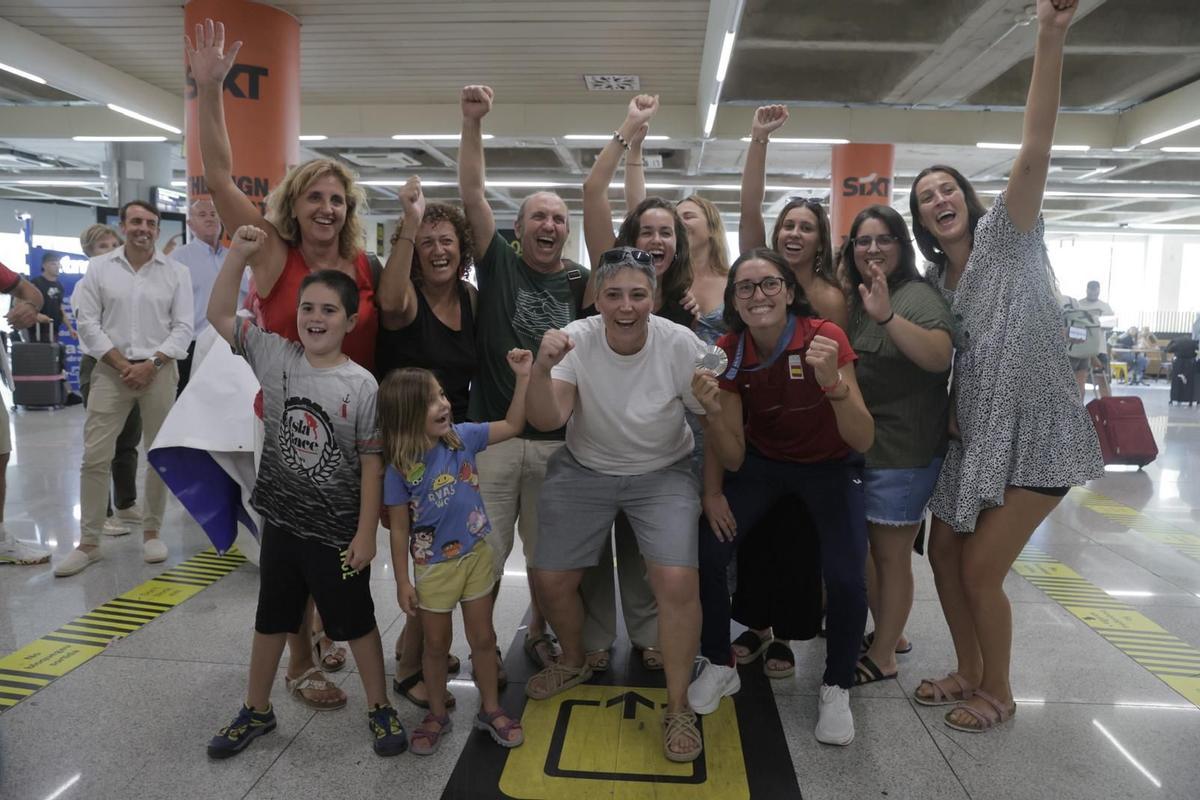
(1181, 539)
(1172, 660)
(595, 742)
(38, 663)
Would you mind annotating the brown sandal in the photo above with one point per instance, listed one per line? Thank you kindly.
(304, 688)
(331, 657)
(939, 696)
(652, 659)
(983, 721)
(681, 727)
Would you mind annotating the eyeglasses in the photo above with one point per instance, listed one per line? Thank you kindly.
(770, 286)
(624, 255)
(882, 241)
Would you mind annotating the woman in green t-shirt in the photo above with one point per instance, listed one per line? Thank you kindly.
(901, 329)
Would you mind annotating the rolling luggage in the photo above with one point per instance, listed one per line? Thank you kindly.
(1124, 432)
(1183, 381)
(37, 370)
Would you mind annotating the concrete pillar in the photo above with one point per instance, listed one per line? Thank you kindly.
(861, 176)
(261, 95)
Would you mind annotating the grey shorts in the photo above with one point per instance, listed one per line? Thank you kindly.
(578, 505)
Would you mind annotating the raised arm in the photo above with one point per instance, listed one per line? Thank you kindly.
(1027, 182)
(396, 295)
(476, 103)
(598, 232)
(222, 303)
(855, 424)
(550, 403)
(513, 424)
(752, 231)
(635, 170)
(724, 433)
(210, 64)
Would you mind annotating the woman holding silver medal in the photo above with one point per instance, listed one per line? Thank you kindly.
(785, 418)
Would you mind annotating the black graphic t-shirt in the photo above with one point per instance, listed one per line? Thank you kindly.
(52, 294)
(516, 306)
(318, 421)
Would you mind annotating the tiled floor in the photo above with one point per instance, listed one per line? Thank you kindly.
(133, 721)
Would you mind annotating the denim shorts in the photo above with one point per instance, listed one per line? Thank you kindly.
(899, 496)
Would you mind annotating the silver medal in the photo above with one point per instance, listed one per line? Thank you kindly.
(712, 359)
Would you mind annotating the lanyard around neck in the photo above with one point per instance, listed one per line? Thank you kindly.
(788, 332)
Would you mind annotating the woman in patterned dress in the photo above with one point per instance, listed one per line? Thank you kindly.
(1022, 436)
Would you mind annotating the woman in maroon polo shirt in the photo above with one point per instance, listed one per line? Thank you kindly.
(786, 420)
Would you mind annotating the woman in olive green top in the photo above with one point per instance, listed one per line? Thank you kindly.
(901, 329)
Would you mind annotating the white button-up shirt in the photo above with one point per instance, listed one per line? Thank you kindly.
(139, 312)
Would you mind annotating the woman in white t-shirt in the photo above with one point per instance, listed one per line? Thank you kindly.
(620, 382)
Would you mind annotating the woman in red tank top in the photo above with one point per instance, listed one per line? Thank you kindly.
(312, 224)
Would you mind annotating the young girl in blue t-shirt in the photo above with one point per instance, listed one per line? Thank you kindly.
(431, 470)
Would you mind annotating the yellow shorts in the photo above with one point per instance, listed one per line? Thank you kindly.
(442, 586)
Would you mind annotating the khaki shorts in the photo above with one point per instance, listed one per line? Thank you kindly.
(442, 586)
(5, 433)
(510, 482)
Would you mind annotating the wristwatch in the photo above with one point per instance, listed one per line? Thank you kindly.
(158, 362)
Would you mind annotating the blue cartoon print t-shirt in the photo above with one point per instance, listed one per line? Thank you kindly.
(446, 512)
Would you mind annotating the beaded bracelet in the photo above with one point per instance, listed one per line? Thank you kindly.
(621, 139)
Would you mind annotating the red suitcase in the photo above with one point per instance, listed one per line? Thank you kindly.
(1125, 436)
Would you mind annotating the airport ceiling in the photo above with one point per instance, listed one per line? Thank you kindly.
(934, 76)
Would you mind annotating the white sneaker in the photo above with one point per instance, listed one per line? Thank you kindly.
(77, 561)
(129, 516)
(714, 682)
(154, 551)
(835, 723)
(113, 526)
(14, 552)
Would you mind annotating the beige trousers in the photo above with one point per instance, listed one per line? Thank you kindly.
(108, 406)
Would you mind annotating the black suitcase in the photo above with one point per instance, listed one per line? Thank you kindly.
(37, 370)
(1183, 380)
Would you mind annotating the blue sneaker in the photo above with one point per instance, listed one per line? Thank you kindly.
(390, 739)
(247, 726)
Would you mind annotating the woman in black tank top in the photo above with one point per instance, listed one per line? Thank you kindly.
(428, 313)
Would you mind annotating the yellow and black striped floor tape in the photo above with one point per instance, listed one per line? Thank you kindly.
(1172, 660)
(1182, 540)
(37, 664)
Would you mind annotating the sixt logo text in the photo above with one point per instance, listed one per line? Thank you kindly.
(870, 186)
(233, 83)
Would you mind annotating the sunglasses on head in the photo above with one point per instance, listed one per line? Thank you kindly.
(625, 255)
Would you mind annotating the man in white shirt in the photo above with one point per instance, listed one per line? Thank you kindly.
(134, 314)
(1101, 310)
(202, 256)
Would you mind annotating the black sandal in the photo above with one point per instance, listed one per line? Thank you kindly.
(404, 689)
(778, 651)
(869, 639)
(754, 644)
(867, 671)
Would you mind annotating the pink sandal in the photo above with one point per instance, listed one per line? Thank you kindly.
(939, 696)
(432, 738)
(985, 721)
(486, 721)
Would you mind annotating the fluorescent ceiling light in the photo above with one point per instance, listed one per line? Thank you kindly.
(726, 52)
(29, 76)
(35, 182)
(1095, 172)
(794, 140)
(1122, 149)
(312, 137)
(710, 119)
(144, 118)
(1180, 149)
(1187, 126)
(118, 138)
(1062, 148)
(604, 137)
(179, 184)
(432, 137)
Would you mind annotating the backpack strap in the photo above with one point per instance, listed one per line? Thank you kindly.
(578, 282)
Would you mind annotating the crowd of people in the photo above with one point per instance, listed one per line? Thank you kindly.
(792, 413)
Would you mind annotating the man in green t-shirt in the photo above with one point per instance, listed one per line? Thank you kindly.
(521, 296)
